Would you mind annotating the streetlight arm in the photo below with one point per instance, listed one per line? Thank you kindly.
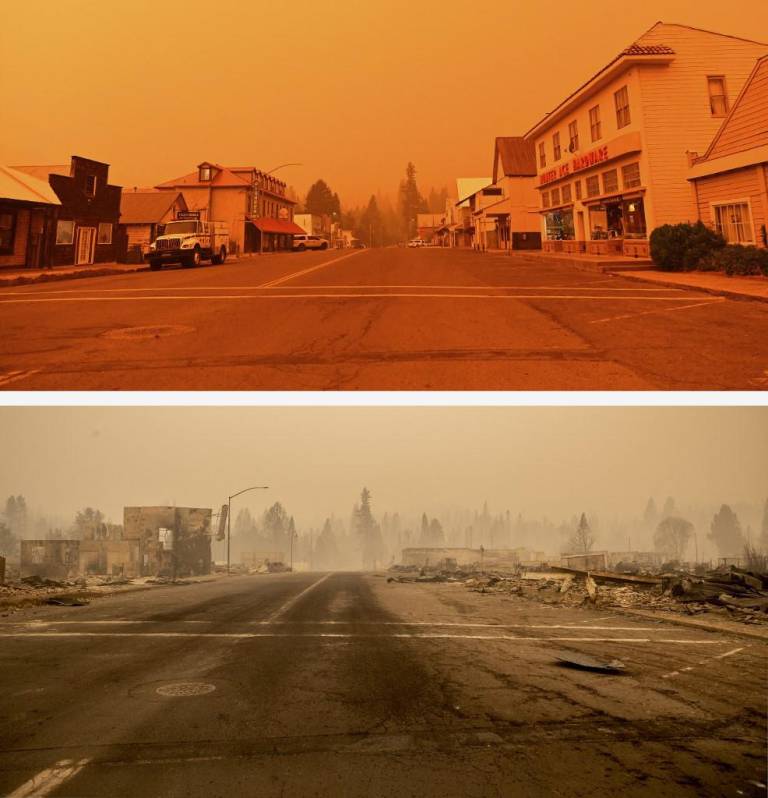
(245, 490)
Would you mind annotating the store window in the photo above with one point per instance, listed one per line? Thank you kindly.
(7, 232)
(559, 225)
(595, 126)
(734, 222)
(65, 231)
(633, 214)
(610, 182)
(556, 145)
(593, 186)
(605, 221)
(718, 99)
(105, 233)
(566, 193)
(577, 189)
(542, 155)
(630, 175)
(545, 199)
(621, 97)
(555, 196)
(573, 136)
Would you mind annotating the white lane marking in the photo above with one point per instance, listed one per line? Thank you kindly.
(12, 376)
(334, 286)
(347, 635)
(49, 779)
(461, 625)
(287, 277)
(713, 301)
(83, 622)
(728, 653)
(291, 602)
(231, 297)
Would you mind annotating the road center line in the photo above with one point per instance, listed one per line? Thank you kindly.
(291, 602)
(287, 277)
(49, 779)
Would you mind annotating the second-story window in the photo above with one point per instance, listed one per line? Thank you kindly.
(593, 186)
(595, 127)
(610, 181)
(542, 155)
(556, 145)
(545, 198)
(205, 174)
(573, 136)
(90, 185)
(577, 189)
(566, 193)
(622, 107)
(718, 99)
(555, 196)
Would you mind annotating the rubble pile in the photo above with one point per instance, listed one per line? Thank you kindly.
(734, 594)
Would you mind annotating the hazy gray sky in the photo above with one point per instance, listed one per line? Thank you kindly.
(552, 461)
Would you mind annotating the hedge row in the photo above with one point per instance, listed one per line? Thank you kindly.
(685, 247)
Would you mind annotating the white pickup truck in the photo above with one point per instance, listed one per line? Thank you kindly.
(189, 241)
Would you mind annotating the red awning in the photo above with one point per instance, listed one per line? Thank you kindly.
(269, 225)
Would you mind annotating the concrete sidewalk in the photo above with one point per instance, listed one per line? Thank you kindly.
(9, 277)
(717, 283)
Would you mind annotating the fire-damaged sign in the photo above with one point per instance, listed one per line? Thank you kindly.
(221, 534)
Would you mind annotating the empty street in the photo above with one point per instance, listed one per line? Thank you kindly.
(381, 319)
(345, 684)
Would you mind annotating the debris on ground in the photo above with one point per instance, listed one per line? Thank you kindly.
(587, 663)
(67, 602)
(733, 593)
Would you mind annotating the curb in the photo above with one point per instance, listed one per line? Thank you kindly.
(53, 277)
(694, 623)
(724, 292)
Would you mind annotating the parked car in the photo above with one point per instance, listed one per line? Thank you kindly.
(189, 241)
(302, 242)
(416, 242)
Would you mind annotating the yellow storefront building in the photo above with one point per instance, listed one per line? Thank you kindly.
(613, 157)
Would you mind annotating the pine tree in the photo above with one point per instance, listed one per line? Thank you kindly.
(582, 539)
(725, 532)
(410, 200)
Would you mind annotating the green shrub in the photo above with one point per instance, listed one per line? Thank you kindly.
(736, 259)
(681, 247)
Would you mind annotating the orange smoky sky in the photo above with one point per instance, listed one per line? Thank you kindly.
(351, 90)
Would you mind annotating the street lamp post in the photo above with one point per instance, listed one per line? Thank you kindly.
(229, 515)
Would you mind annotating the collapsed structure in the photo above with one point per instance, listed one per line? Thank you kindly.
(153, 541)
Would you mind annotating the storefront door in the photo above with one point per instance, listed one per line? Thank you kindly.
(85, 245)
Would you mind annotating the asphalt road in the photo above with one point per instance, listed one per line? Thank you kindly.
(345, 685)
(385, 319)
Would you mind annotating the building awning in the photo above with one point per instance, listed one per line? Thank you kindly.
(554, 209)
(282, 226)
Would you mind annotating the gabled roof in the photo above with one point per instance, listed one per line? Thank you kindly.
(42, 172)
(147, 207)
(22, 187)
(750, 104)
(222, 178)
(518, 157)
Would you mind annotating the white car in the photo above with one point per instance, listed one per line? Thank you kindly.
(300, 243)
(416, 242)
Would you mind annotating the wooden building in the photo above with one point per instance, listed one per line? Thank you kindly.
(90, 209)
(143, 214)
(730, 181)
(28, 210)
(612, 157)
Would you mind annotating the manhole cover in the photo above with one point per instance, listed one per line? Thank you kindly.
(157, 331)
(181, 689)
